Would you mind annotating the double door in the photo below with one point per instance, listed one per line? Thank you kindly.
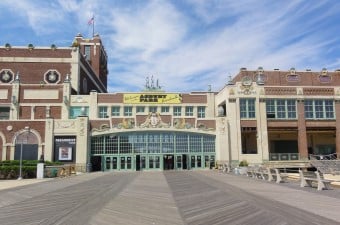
(148, 162)
(118, 163)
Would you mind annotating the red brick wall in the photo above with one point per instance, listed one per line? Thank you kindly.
(33, 73)
(55, 112)
(25, 112)
(110, 98)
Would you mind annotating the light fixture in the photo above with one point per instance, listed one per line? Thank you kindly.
(14, 100)
(66, 100)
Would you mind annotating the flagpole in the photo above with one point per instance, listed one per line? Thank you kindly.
(93, 27)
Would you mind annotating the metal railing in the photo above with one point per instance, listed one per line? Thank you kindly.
(283, 156)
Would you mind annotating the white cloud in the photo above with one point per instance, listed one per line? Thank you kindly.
(153, 28)
(194, 43)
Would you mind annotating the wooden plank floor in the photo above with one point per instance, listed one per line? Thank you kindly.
(174, 197)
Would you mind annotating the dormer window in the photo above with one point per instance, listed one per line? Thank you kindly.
(292, 76)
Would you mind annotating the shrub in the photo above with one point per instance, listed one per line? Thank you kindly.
(243, 163)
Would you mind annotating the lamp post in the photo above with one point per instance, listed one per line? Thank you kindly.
(27, 130)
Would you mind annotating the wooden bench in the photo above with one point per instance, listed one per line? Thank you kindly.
(310, 178)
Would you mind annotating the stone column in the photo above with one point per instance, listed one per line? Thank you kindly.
(49, 141)
(302, 132)
(337, 131)
(83, 148)
(262, 131)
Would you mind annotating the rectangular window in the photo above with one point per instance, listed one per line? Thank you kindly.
(329, 109)
(281, 108)
(87, 52)
(247, 107)
(102, 112)
(201, 112)
(165, 109)
(127, 110)
(189, 111)
(153, 109)
(140, 109)
(291, 108)
(319, 109)
(115, 111)
(177, 110)
(309, 113)
(76, 111)
(4, 113)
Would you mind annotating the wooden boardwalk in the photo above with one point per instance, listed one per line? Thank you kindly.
(174, 197)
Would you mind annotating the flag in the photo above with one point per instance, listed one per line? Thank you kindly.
(90, 22)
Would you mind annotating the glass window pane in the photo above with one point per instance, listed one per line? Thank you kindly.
(115, 110)
(177, 110)
(201, 111)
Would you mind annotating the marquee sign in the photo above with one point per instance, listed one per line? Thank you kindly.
(152, 98)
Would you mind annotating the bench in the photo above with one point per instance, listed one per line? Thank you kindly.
(310, 178)
(275, 175)
(254, 172)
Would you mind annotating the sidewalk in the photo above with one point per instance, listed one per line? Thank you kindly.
(6, 184)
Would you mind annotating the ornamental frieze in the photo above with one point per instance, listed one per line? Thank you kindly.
(154, 120)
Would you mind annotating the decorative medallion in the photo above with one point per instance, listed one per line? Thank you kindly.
(6, 76)
(247, 81)
(9, 127)
(52, 77)
(246, 87)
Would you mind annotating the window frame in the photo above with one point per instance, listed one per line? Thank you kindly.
(247, 108)
(128, 110)
(201, 111)
(189, 111)
(177, 111)
(114, 111)
(102, 112)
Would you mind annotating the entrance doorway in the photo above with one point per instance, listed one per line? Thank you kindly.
(184, 162)
(168, 162)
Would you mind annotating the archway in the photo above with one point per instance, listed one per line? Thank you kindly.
(27, 143)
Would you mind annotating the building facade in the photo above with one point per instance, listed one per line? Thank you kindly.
(54, 105)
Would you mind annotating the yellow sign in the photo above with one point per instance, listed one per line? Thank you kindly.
(152, 98)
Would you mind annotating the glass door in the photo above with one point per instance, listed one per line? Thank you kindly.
(125, 162)
(143, 162)
(108, 163)
(154, 162)
(178, 162)
(114, 163)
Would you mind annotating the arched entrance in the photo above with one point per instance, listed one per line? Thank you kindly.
(27, 143)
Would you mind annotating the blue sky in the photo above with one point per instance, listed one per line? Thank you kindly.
(186, 44)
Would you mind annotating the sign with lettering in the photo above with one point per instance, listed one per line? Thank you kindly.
(152, 98)
(64, 148)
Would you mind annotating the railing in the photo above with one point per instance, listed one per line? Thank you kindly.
(332, 156)
(283, 156)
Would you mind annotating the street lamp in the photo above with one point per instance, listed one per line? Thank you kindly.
(26, 130)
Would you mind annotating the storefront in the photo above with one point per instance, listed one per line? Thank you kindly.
(153, 151)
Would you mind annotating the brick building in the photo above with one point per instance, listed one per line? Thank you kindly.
(54, 104)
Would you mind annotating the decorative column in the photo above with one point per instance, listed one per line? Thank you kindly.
(83, 154)
(302, 132)
(337, 128)
(262, 131)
